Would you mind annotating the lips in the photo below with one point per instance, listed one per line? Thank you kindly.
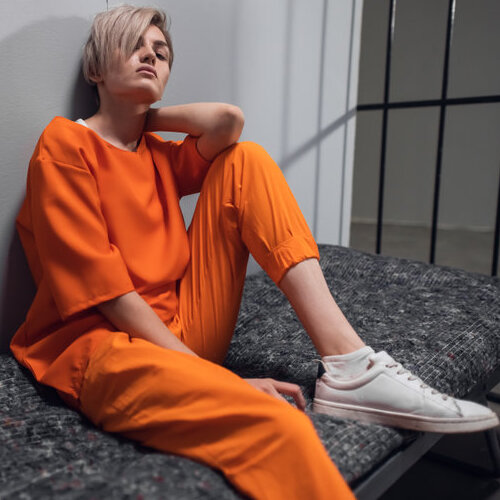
(147, 68)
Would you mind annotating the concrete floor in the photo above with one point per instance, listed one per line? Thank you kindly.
(431, 479)
(469, 250)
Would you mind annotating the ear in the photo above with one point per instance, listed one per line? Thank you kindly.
(95, 78)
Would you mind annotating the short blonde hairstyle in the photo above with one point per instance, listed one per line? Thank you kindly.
(120, 28)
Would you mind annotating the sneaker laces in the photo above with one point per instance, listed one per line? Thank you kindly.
(401, 371)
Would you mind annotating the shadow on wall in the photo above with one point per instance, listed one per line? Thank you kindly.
(323, 129)
(44, 80)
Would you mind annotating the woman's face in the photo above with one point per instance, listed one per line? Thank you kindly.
(143, 76)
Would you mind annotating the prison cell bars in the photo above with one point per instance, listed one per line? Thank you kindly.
(443, 103)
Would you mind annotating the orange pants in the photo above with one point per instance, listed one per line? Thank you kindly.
(192, 406)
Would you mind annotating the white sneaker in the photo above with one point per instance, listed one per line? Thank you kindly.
(388, 394)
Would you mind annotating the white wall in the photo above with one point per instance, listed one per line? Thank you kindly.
(291, 65)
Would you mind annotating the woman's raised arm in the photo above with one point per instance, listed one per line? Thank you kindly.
(217, 125)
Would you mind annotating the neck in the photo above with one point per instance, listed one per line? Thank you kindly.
(119, 122)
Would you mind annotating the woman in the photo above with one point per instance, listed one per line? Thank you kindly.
(133, 315)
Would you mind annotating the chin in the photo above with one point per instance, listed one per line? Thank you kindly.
(146, 98)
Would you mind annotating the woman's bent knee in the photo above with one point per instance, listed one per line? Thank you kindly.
(245, 152)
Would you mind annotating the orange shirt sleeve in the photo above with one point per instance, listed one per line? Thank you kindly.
(188, 166)
(81, 266)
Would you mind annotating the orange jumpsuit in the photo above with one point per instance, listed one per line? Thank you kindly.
(98, 222)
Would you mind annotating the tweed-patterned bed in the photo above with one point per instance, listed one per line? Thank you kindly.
(442, 323)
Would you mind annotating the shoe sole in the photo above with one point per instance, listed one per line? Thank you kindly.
(415, 423)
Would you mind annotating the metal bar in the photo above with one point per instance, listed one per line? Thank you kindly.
(494, 265)
(493, 397)
(453, 101)
(381, 184)
(442, 118)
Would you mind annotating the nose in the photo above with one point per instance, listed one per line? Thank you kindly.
(148, 54)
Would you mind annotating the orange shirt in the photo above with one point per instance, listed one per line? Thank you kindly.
(98, 222)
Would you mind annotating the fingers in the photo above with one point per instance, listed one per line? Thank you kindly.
(273, 392)
(292, 390)
(276, 388)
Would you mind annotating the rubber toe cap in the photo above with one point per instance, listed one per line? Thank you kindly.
(468, 409)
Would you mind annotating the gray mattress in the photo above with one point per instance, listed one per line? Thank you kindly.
(442, 323)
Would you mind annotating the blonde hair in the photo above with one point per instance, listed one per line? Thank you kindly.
(120, 28)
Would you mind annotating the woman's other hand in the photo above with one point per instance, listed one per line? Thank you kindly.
(276, 388)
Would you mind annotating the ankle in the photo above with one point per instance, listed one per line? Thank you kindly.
(348, 365)
(343, 348)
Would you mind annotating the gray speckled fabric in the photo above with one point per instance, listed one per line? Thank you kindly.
(49, 451)
(441, 323)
